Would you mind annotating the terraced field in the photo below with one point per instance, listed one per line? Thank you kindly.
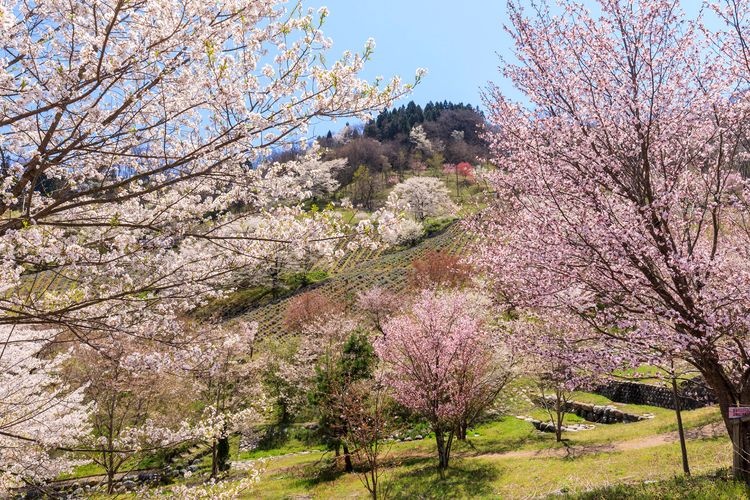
(360, 271)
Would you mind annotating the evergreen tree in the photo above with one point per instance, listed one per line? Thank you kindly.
(335, 373)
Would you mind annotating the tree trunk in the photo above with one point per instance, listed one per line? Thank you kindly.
(559, 414)
(374, 480)
(462, 430)
(110, 482)
(440, 441)
(680, 428)
(348, 467)
(214, 464)
(739, 432)
(741, 445)
(444, 450)
(222, 454)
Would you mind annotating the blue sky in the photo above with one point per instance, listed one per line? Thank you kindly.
(457, 42)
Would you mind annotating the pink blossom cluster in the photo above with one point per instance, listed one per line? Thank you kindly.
(437, 354)
(622, 187)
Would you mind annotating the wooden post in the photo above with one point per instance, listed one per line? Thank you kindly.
(738, 469)
(736, 447)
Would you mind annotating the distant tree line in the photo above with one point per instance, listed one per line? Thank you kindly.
(386, 144)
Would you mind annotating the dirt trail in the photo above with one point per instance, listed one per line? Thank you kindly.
(707, 431)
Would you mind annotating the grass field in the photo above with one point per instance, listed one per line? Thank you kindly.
(508, 458)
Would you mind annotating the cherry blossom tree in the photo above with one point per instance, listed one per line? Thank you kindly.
(440, 362)
(316, 176)
(139, 406)
(228, 384)
(379, 304)
(41, 415)
(396, 230)
(422, 197)
(133, 137)
(131, 133)
(561, 355)
(621, 193)
(420, 142)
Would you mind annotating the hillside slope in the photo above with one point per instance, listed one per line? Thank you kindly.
(361, 271)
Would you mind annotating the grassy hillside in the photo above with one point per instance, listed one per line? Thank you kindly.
(359, 271)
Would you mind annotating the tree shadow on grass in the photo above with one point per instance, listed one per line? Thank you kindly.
(463, 479)
(481, 447)
(322, 471)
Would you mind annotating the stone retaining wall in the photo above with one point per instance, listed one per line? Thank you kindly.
(693, 394)
(599, 413)
(603, 414)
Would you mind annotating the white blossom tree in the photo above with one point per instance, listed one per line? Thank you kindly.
(422, 197)
(315, 175)
(228, 382)
(418, 139)
(40, 414)
(128, 138)
(131, 134)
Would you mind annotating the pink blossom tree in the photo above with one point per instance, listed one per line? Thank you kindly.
(440, 362)
(561, 355)
(379, 304)
(621, 189)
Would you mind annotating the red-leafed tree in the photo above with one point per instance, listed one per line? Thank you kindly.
(466, 171)
(438, 269)
(305, 309)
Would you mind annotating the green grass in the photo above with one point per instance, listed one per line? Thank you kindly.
(433, 225)
(89, 469)
(715, 486)
(135, 463)
(348, 215)
(647, 374)
(415, 475)
(292, 445)
(508, 458)
(245, 299)
(483, 468)
(234, 303)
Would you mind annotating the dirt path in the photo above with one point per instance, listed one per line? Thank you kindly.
(707, 431)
